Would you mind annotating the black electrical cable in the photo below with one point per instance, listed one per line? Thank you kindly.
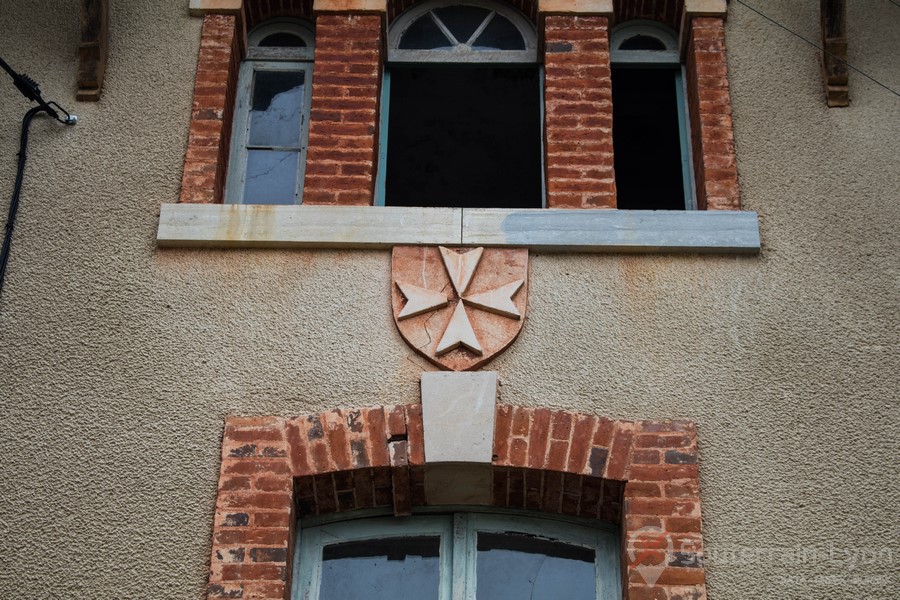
(17, 190)
(30, 90)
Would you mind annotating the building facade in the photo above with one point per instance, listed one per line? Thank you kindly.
(680, 337)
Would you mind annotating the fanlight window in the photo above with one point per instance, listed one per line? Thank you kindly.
(453, 32)
(464, 27)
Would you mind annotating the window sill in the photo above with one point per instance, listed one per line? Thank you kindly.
(375, 227)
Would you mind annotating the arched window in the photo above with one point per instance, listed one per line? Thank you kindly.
(650, 119)
(461, 108)
(473, 555)
(468, 32)
(271, 120)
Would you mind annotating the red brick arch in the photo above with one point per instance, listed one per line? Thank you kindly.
(640, 474)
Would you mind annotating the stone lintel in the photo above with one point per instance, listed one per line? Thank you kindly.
(580, 7)
(198, 8)
(382, 227)
(705, 8)
(370, 6)
(458, 416)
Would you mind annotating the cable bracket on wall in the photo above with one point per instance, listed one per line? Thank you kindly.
(32, 92)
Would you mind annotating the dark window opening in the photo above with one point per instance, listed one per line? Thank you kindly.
(642, 42)
(647, 140)
(282, 40)
(464, 137)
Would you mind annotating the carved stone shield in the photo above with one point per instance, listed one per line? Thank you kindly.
(459, 307)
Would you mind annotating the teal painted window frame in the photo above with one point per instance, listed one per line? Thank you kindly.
(260, 58)
(454, 57)
(384, 122)
(661, 59)
(458, 535)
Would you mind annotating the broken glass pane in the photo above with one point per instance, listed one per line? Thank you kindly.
(388, 569)
(500, 34)
(515, 566)
(424, 34)
(271, 177)
(276, 109)
(462, 21)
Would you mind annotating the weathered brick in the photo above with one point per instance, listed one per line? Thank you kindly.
(254, 571)
(502, 428)
(619, 453)
(577, 64)
(277, 519)
(344, 100)
(271, 555)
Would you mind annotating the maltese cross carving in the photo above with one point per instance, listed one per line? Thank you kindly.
(459, 308)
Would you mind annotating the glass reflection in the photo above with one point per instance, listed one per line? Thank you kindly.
(383, 569)
(514, 566)
(276, 108)
(271, 177)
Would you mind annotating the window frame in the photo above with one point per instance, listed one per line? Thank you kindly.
(397, 57)
(669, 58)
(260, 58)
(402, 23)
(457, 528)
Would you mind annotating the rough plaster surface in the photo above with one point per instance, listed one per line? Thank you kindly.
(118, 361)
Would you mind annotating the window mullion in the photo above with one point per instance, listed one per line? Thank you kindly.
(462, 579)
(443, 28)
(684, 133)
(480, 29)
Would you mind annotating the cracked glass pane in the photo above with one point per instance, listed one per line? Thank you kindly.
(514, 566)
(500, 34)
(462, 21)
(392, 568)
(424, 34)
(276, 109)
(271, 177)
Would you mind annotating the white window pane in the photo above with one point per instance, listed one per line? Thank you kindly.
(387, 569)
(276, 109)
(512, 567)
(271, 177)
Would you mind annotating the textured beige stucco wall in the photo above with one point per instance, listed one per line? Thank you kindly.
(118, 361)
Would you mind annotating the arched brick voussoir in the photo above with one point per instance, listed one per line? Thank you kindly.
(353, 439)
(643, 475)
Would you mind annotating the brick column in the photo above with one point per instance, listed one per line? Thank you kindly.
(206, 158)
(251, 548)
(343, 132)
(715, 167)
(578, 104)
(661, 531)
